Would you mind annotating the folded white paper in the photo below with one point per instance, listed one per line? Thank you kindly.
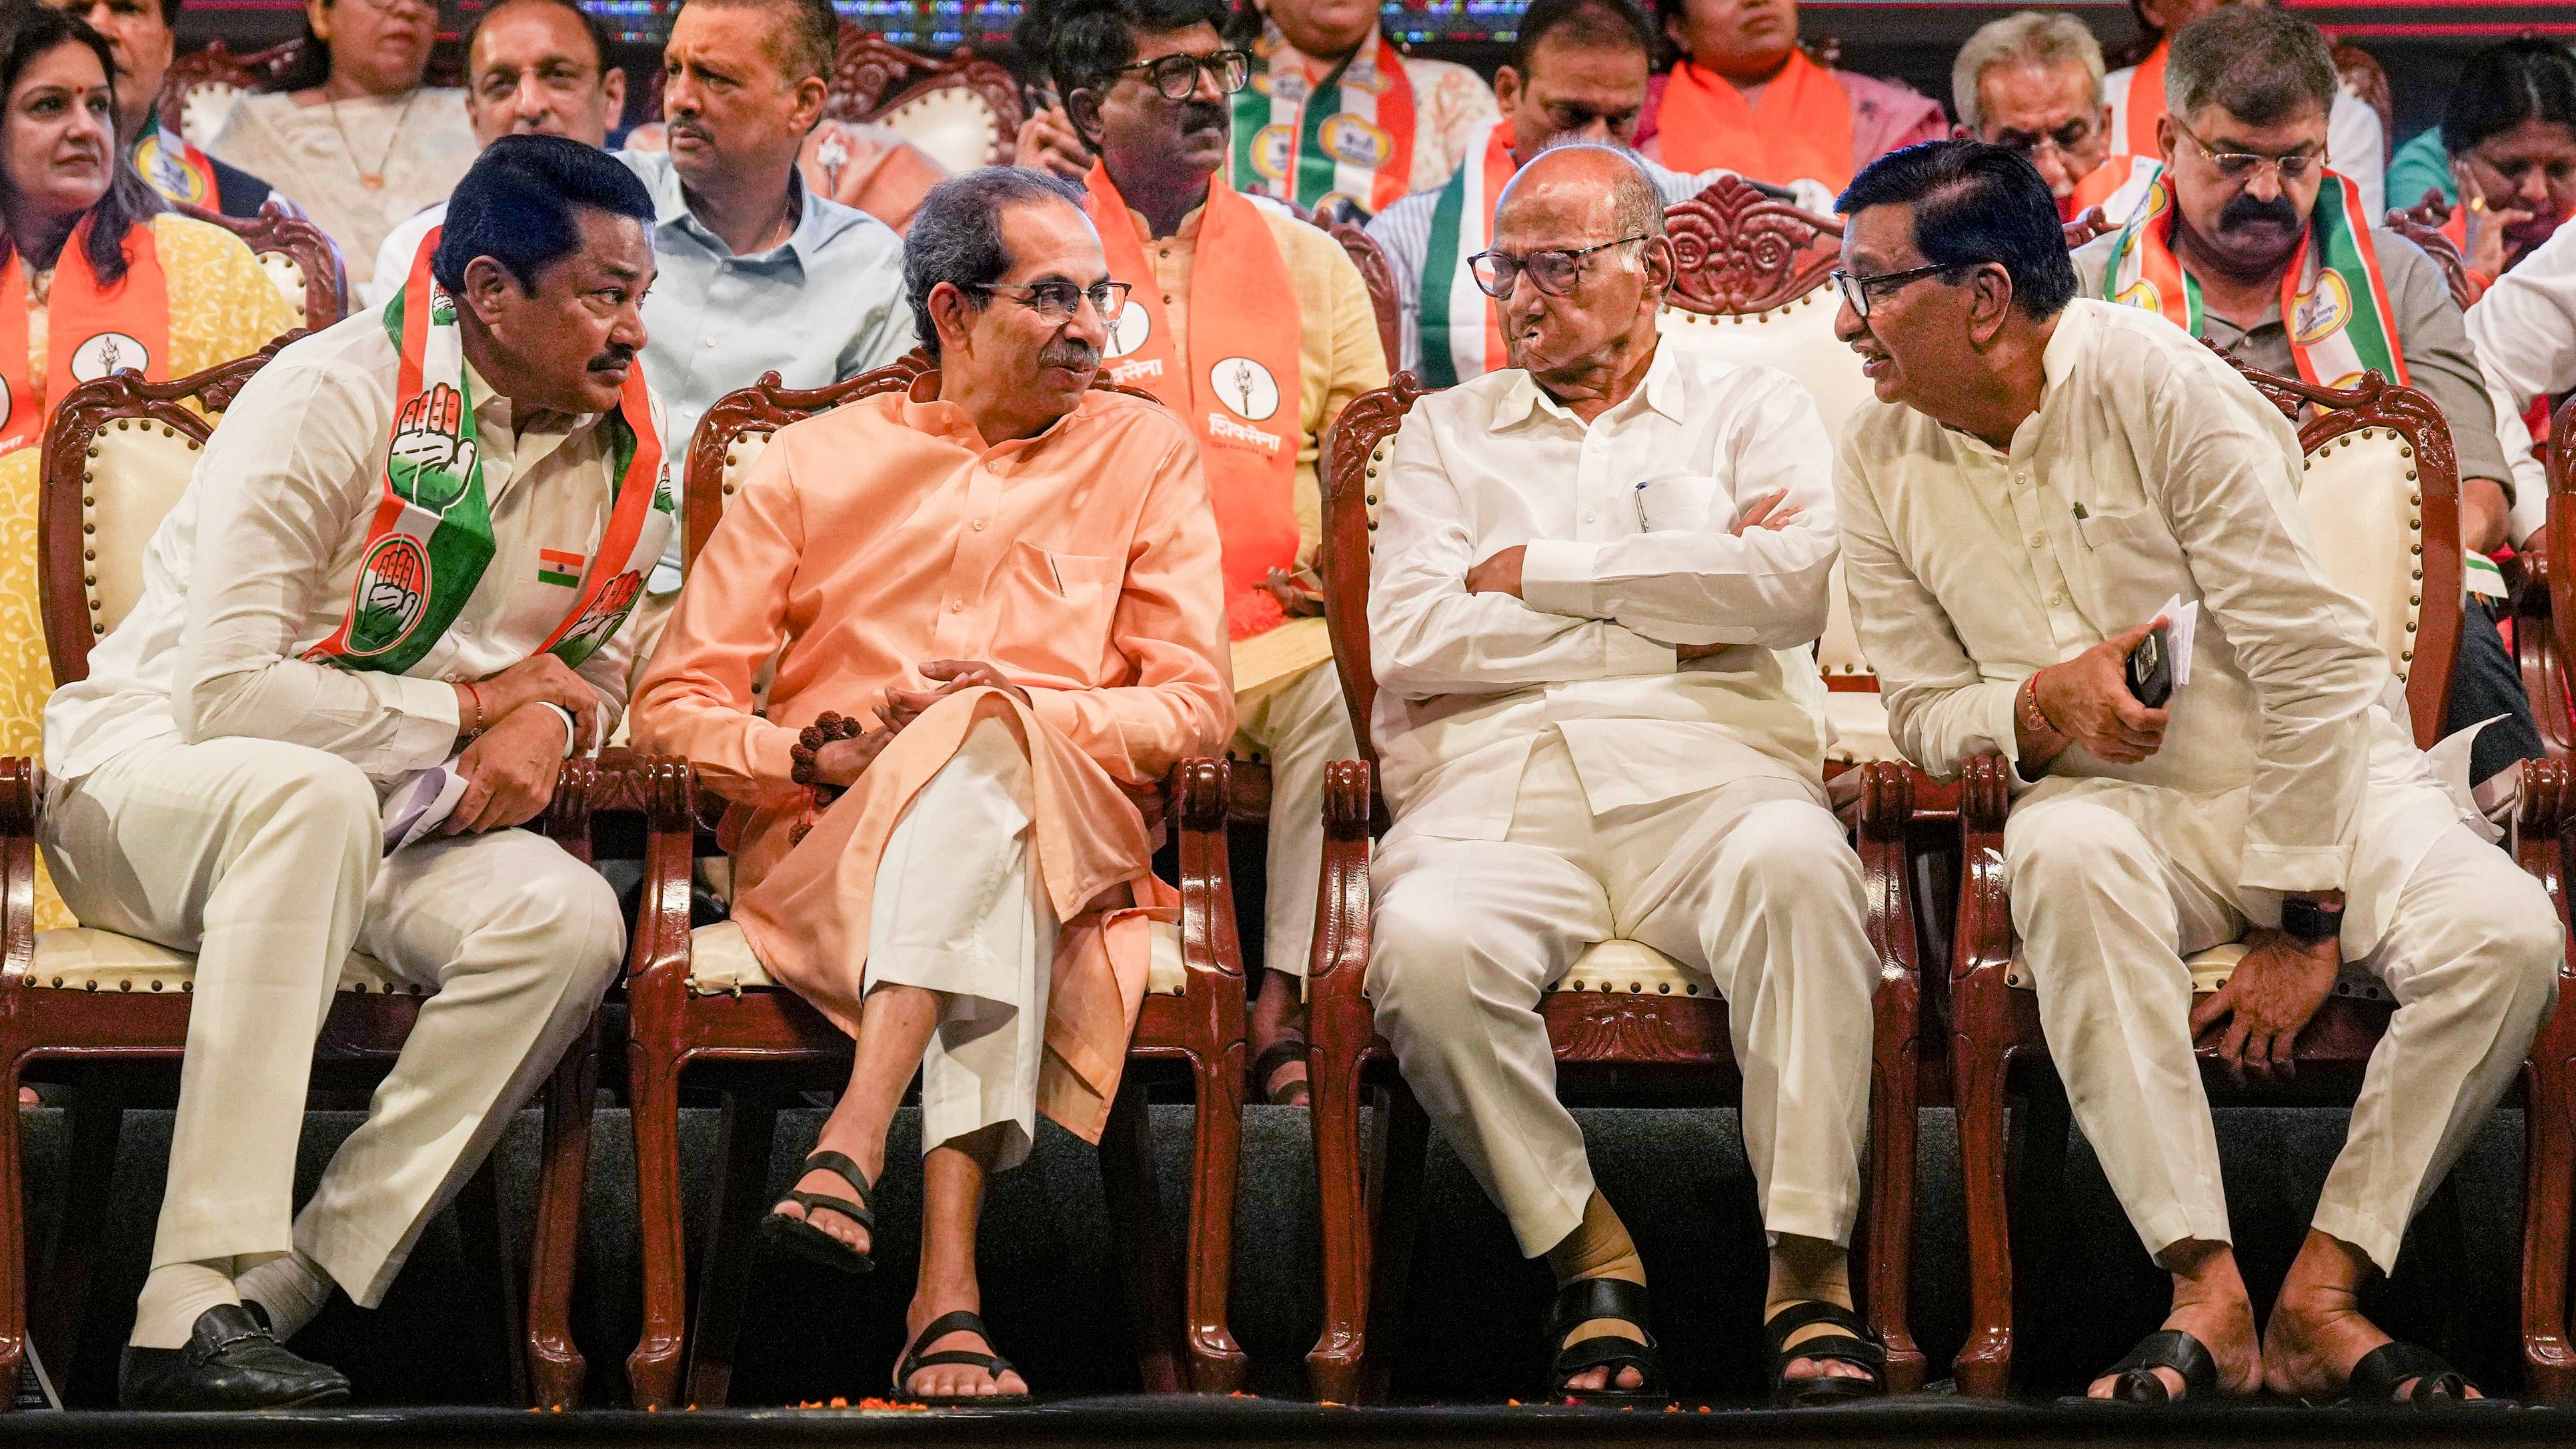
(420, 803)
(2181, 620)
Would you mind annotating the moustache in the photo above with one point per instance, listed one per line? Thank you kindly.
(1203, 115)
(617, 354)
(2253, 211)
(1071, 352)
(685, 127)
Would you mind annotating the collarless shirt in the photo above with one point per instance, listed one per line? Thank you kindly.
(256, 562)
(824, 305)
(1468, 682)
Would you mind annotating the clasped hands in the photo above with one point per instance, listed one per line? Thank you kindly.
(836, 749)
(510, 767)
(1501, 573)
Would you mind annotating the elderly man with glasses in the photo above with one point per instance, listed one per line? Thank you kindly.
(1597, 578)
(2032, 83)
(2250, 240)
(994, 606)
(1257, 330)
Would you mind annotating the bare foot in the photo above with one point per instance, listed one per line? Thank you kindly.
(2225, 1326)
(825, 1181)
(1817, 1368)
(1593, 1381)
(2315, 1337)
(955, 1380)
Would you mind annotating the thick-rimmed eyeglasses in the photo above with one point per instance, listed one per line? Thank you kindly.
(2065, 139)
(2293, 166)
(1059, 301)
(1554, 272)
(1857, 290)
(1176, 77)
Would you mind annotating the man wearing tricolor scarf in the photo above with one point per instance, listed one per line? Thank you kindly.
(142, 36)
(1256, 329)
(409, 546)
(2249, 240)
(1745, 97)
(1336, 116)
(1577, 72)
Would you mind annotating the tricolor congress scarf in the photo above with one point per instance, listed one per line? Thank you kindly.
(1350, 136)
(1462, 328)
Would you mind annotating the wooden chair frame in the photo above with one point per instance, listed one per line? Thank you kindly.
(274, 233)
(1996, 1026)
(757, 1040)
(79, 1032)
(1379, 276)
(1368, 1207)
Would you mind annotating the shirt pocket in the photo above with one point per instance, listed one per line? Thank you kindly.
(2114, 531)
(1055, 616)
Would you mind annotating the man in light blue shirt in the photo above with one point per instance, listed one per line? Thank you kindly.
(758, 274)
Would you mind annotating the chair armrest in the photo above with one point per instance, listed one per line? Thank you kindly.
(1985, 904)
(1202, 790)
(1884, 834)
(20, 776)
(662, 789)
(1337, 971)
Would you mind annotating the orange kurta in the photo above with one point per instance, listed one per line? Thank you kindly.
(1082, 563)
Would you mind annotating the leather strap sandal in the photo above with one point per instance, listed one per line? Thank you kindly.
(1851, 1346)
(801, 1237)
(1580, 1302)
(2374, 1380)
(2135, 1381)
(914, 1361)
(1287, 1051)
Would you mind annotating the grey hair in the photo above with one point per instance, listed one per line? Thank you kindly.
(2028, 38)
(1637, 208)
(2256, 63)
(956, 236)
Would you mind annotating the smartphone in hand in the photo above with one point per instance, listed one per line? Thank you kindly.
(2150, 668)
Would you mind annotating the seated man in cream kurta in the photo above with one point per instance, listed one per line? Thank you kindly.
(214, 781)
(1227, 290)
(2037, 477)
(1014, 579)
(1597, 576)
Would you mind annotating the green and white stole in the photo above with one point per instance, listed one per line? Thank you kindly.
(1349, 136)
(2334, 301)
(1462, 329)
(431, 537)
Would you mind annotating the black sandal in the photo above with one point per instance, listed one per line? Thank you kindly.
(914, 1361)
(1286, 1051)
(2135, 1381)
(1851, 1346)
(801, 1237)
(1583, 1300)
(2375, 1379)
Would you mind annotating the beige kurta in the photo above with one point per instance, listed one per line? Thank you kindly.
(1082, 563)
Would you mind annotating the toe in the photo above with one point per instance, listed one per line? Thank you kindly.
(1629, 1378)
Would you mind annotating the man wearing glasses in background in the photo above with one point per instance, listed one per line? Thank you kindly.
(141, 35)
(2032, 83)
(1256, 329)
(2248, 229)
(1597, 572)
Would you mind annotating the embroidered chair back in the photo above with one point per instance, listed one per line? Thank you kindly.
(296, 256)
(964, 111)
(1366, 255)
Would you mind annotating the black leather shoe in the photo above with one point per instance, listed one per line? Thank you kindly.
(230, 1362)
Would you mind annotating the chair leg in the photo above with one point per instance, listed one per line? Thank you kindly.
(1129, 1179)
(1217, 1364)
(1342, 1183)
(13, 1235)
(2549, 1159)
(1984, 1365)
(1889, 1217)
(750, 1127)
(492, 1254)
(555, 1367)
(1393, 1214)
(60, 1279)
(653, 1369)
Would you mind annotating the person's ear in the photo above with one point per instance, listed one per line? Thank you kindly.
(1507, 88)
(489, 288)
(952, 314)
(612, 86)
(2166, 135)
(811, 93)
(317, 13)
(1676, 31)
(1082, 108)
(1660, 265)
(1990, 302)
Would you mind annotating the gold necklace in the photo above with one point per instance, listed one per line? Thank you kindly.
(373, 180)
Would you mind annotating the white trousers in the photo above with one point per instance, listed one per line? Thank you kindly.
(265, 859)
(1751, 883)
(1300, 730)
(958, 911)
(2470, 952)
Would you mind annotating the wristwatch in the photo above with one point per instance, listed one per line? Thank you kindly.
(2309, 921)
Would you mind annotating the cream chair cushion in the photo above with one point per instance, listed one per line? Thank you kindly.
(721, 962)
(1859, 718)
(133, 477)
(2365, 513)
(83, 958)
(2211, 969)
(745, 451)
(953, 124)
(203, 111)
(288, 274)
(1629, 968)
(1795, 337)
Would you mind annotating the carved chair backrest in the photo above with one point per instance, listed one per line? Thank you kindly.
(297, 257)
(119, 453)
(1356, 450)
(2361, 74)
(200, 89)
(1366, 255)
(964, 111)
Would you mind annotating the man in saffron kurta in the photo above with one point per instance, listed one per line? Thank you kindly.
(1016, 580)
(1745, 97)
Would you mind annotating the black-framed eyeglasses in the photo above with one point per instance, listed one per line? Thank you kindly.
(2293, 166)
(1176, 77)
(1060, 301)
(1857, 290)
(2065, 139)
(1554, 271)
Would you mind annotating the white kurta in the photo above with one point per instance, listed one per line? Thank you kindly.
(2152, 469)
(1559, 777)
(211, 790)
(2524, 332)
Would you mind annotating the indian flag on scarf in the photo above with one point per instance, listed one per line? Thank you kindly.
(556, 566)
(1462, 332)
(1349, 136)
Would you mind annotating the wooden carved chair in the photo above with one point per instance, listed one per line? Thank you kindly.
(699, 1002)
(965, 111)
(2360, 73)
(2382, 499)
(1366, 255)
(296, 256)
(2542, 620)
(77, 1003)
(1623, 1010)
(199, 88)
(2423, 224)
